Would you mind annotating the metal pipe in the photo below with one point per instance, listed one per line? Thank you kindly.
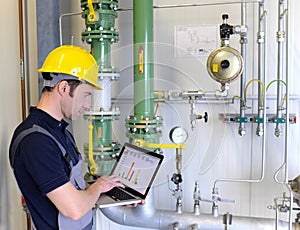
(23, 87)
(263, 151)
(60, 25)
(22, 72)
(165, 219)
(143, 58)
(280, 55)
(243, 41)
(261, 67)
(195, 5)
(287, 130)
(281, 35)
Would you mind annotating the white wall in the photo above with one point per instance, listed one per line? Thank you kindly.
(11, 214)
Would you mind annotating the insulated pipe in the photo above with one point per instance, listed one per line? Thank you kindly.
(47, 29)
(146, 216)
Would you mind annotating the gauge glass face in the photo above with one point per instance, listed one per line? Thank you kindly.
(178, 135)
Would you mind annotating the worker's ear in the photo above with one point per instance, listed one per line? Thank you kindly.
(63, 87)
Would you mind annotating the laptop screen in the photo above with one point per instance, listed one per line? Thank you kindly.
(137, 168)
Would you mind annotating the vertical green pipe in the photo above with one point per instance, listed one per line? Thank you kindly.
(143, 58)
(101, 52)
(102, 128)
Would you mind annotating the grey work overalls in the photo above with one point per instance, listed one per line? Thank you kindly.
(76, 178)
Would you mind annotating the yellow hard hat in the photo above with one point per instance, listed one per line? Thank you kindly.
(74, 61)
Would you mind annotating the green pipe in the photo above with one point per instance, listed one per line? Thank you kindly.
(101, 52)
(143, 58)
(100, 34)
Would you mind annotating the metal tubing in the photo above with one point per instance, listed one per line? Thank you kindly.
(280, 55)
(143, 58)
(260, 179)
(22, 72)
(287, 130)
(243, 41)
(60, 25)
(196, 5)
(23, 85)
(261, 67)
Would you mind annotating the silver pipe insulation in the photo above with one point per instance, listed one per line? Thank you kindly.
(146, 216)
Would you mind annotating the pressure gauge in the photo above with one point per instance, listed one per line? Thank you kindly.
(178, 135)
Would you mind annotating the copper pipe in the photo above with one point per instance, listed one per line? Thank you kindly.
(21, 40)
(23, 93)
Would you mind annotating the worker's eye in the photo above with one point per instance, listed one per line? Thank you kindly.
(87, 94)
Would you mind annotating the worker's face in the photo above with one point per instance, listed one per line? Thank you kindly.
(81, 100)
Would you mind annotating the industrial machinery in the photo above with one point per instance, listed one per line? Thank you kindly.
(144, 127)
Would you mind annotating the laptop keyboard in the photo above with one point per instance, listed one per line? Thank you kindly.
(119, 194)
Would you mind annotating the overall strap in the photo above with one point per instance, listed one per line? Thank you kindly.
(36, 128)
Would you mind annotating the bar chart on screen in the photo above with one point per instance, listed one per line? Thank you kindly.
(135, 168)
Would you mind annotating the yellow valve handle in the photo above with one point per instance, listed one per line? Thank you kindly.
(92, 15)
(142, 143)
(93, 168)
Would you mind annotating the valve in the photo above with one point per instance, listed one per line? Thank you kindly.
(176, 178)
(177, 193)
(92, 17)
(197, 198)
(225, 29)
(215, 200)
(194, 116)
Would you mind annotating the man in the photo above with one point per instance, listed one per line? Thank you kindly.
(43, 153)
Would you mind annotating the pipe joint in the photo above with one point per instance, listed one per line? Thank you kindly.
(281, 36)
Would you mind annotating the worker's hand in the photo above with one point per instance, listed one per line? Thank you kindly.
(136, 204)
(106, 183)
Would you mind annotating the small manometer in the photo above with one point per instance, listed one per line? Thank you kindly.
(178, 135)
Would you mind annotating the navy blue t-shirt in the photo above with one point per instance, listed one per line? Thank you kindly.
(40, 167)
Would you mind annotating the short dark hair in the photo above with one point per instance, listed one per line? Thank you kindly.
(72, 83)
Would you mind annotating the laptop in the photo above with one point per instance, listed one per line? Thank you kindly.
(137, 168)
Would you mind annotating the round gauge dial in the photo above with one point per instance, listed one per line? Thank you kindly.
(178, 135)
